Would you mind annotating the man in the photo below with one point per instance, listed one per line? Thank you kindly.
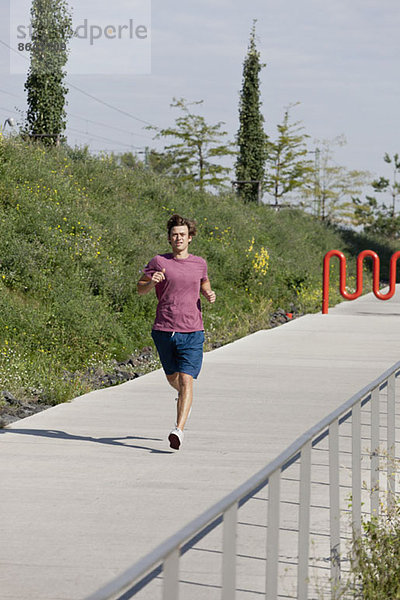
(178, 330)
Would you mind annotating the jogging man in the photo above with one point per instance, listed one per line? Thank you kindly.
(178, 330)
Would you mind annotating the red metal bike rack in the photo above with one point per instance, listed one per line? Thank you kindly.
(359, 289)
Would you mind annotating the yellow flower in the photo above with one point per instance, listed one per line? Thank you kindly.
(261, 261)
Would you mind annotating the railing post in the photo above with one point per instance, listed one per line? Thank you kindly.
(229, 554)
(334, 507)
(171, 576)
(375, 452)
(304, 522)
(167, 555)
(356, 469)
(391, 440)
(273, 535)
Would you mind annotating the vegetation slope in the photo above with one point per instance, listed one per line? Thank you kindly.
(76, 231)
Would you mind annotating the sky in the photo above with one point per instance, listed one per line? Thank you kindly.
(339, 60)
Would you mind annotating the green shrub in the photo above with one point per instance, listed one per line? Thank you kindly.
(375, 565)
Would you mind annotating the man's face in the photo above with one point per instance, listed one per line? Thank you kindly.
(179, 237)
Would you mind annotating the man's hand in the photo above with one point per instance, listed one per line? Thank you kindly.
(209, 295)
(146, 284)
(207, 291)
(158, 276)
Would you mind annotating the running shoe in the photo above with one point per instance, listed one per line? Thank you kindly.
(175, 438)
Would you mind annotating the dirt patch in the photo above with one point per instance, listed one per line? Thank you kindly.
(12, 409)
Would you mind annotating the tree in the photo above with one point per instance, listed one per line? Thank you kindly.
(251, 138)
(334, 185)
(384, 185)
(376, 218)
(51, 30)
(198, 145)
(160, 162)
(129, 160)
(288, 166)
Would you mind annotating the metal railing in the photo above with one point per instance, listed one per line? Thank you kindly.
(166, 557)
(360, 259)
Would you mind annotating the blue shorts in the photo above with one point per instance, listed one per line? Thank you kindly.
(180, 352)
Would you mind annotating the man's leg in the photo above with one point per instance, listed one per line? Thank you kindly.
(173, 380)
(189, 356)
(183, 384)
(185, 399)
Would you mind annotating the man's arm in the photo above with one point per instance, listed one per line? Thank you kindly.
(206, 290)
(146, 283)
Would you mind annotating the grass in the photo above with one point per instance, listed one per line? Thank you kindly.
(76, 231)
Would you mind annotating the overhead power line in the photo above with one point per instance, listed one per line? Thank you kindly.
(9, 110)
(83, 134)
(122, 112)
(9, 94)
(10, 47)
(75, 87)
(89, 120)
(108, 125)
(100, 137)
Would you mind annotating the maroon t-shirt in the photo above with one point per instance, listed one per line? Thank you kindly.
(179, 306)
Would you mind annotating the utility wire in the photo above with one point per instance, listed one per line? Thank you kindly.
(9, 94)
(87, 135)
(100, 137)
(11, 48)
(9, 110)
(90, 120)
(122, 112)
(108, 125)
(75, 87)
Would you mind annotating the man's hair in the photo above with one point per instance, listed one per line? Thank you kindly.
(177, 220)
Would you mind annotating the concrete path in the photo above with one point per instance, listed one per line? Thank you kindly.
(89, 487)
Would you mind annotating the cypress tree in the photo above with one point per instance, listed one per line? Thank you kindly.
(251, 138)
(51, 30)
